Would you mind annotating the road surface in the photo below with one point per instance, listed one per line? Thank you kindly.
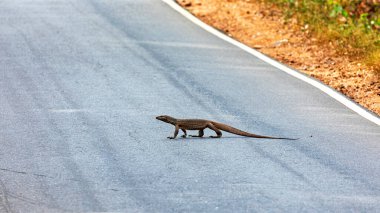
(82, 81)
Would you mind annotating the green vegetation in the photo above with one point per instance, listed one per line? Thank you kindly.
(352, 24)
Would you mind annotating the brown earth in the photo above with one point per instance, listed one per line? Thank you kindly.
(263, 27)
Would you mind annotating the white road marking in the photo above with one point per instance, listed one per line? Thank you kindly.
(68, 110)
(326, 89)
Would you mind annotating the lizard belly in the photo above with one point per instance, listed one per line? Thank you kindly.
(193, 126)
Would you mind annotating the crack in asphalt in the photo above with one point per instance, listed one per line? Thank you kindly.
(4, 198)
(24, 173)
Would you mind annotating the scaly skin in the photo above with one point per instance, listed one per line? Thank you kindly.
(200, 124)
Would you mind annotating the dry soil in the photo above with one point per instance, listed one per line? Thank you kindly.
(264, 28)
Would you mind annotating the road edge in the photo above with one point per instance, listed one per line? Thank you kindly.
(314, 82)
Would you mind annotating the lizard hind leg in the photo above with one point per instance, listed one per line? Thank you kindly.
(201, 133)
(217, 131)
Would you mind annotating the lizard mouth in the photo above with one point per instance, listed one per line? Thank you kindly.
(162, 118)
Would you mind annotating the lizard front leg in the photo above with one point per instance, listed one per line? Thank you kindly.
(175, 132)
(184, 132)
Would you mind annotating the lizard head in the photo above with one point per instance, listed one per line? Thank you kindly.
(166, 119)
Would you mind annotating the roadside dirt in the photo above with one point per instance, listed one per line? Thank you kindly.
(264, 28)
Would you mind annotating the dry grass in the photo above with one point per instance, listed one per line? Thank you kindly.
(282, 36)
(353, 25)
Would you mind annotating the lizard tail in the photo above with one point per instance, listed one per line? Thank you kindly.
(235, 131)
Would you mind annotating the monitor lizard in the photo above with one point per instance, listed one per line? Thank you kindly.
(200, 124)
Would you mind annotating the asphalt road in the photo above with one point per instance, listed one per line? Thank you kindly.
(82, 81)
